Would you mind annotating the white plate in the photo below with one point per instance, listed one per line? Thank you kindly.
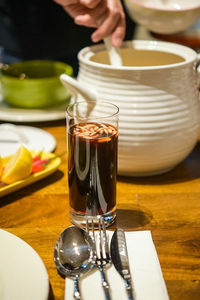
(12, 136)
(11, 114)
(22, 273)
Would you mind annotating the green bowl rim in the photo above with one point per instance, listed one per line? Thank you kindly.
(68, 69)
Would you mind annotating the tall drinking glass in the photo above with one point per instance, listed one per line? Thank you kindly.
(92, 139)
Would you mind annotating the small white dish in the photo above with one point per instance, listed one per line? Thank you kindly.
(22, 274)
(12, 137)
(164, 16)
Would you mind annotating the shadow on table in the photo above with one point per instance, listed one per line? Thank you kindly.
(51, 296)
(188, 170)
(43, 124)
(132, 218)
(28, 190)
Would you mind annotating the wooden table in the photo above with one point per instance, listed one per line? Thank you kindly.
(168, 205)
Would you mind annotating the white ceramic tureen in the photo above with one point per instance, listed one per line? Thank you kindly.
(159, 120)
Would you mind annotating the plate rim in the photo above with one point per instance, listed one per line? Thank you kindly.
(26, 130)
(26, 247)
(12, 114)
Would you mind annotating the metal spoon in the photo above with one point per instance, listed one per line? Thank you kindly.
(74, 255)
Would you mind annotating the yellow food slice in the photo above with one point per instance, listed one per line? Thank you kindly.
(18, 167)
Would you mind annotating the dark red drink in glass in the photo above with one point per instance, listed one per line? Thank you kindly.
(92, 170)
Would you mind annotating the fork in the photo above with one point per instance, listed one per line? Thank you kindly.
(102, 257)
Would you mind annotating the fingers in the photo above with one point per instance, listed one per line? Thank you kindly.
(90, 3)
(66, 2)
(75, 10)
(86, 3)
(118, 34)
(105, 15)
(90, 17)
(114, 24)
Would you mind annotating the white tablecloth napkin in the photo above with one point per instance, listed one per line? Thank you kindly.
(145, 268)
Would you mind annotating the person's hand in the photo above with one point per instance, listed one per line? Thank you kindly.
(105, 15)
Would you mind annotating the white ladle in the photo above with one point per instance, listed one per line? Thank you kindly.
(113, 52)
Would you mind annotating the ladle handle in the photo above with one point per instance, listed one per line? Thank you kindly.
(113, 52)
(77, 294)
(76, 87)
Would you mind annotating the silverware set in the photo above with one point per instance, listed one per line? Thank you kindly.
(93, 250)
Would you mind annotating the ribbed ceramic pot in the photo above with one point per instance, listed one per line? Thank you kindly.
(159, 121)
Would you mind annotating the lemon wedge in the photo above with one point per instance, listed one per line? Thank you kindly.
(18, 167)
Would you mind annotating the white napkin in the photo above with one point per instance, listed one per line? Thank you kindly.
(145, 268)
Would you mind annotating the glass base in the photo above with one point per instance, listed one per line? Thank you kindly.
(80, 219)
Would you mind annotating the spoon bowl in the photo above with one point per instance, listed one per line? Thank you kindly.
(74, 254)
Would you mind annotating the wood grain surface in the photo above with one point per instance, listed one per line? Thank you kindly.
(168, 205)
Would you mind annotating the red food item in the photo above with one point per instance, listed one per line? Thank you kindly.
(36, 158)
(37, 167)
(39, 164)
(45, 160)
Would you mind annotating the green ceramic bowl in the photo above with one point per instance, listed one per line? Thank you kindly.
(41, 86)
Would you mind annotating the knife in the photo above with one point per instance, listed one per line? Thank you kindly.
(119, 256)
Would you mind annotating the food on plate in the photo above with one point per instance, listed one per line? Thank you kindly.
(24, 163)
(18, 166)
(39, 162)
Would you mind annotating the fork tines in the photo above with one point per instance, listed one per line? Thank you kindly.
(103, 242)
(102, 252)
